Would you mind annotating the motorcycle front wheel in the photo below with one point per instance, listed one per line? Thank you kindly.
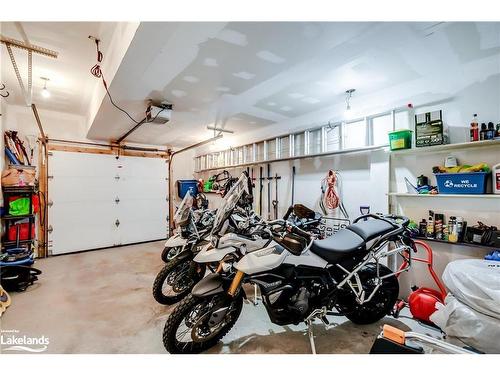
(382, 302)
(176, 280)
(170, 253)
(197, 324)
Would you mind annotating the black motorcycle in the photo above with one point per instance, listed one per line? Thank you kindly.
(300, 279)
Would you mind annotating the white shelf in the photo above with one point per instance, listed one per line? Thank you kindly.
(476, 196)
(445, 148)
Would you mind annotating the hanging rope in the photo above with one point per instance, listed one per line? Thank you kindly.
(330, 197)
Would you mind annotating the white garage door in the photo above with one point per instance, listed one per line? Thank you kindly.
(100, 201)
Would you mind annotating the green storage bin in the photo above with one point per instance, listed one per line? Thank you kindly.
(20, 206)
(400, 139)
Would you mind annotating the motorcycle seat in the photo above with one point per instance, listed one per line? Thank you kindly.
(339, 245)
(350, 241)
(371, 229)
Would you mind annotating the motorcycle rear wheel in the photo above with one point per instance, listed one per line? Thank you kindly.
(382, 302)
(181, 275)
(186, 314)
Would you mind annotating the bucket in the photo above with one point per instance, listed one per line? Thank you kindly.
(462, 183)
(183, 186)
(400, 139)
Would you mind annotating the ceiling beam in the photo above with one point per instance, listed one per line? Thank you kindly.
(28, 47)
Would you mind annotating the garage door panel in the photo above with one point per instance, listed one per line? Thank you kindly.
(83, 190)
(71, 189)
(81, 165)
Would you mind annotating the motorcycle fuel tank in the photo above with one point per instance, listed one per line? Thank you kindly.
(213, 254)
(262, 260)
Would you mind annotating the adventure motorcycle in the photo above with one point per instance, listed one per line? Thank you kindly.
(203, 219)
(300, 279)
(180, 274)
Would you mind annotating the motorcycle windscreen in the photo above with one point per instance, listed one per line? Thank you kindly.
(229, 202)
(182, 214)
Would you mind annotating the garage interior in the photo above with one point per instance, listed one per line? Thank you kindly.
(113, 130)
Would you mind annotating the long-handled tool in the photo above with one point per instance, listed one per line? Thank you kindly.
(269, 179)
(275, 201)
(261, 186)
(293, 183)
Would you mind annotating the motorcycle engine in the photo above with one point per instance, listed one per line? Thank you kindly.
(287, 305)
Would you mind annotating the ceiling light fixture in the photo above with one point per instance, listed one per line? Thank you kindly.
(348, 96)
(45, 91)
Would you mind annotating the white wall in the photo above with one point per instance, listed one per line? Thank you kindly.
(55, 124)
(366, 176)
(364, 179)
(473, 92)
(183, 169)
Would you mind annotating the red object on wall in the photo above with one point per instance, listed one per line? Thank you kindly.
(24, 232)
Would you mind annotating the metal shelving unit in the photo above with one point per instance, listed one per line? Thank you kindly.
(22, 191)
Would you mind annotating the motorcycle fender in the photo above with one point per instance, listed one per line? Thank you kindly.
(184, 255)
(176, 241)
(210, 254)
(208, 286)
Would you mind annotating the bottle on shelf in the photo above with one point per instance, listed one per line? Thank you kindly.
(474, 129)
(430, 228)
(452, 230)
(482, 132)
(460, 227)
(423, 227)
(490, 132)
(438, 227)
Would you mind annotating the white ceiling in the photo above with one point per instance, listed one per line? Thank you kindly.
(70, 82)
(246, 76)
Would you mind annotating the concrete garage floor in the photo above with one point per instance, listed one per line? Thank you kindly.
(101, 302)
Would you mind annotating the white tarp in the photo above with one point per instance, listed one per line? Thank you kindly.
(471, 327)
(475, 283)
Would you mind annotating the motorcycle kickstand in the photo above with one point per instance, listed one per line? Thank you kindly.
(310, 333)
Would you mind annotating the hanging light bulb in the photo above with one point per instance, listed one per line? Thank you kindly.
(45, 91)
(348, 111)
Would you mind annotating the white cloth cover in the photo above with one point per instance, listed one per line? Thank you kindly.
(476, 283)
(477, 330)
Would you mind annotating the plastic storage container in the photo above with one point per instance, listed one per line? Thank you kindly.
(462, 183)
(184, 185)
(496, 178)
(400, 139)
